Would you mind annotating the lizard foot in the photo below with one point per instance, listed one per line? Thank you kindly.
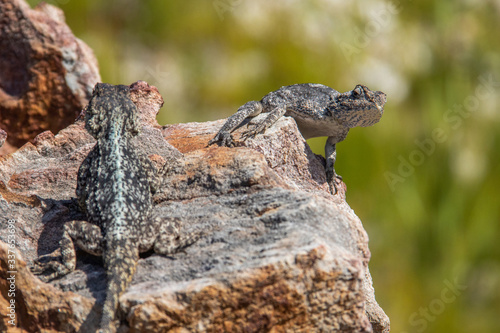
(334, 181)
(250, 134)
(257, 129)
(168, 244)
(223, 139)
(337, 186)
(50, 266)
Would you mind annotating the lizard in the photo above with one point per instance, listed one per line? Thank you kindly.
(318, 111)
(115, 185)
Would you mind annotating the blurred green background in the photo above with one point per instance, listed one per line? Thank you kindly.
(425, 180)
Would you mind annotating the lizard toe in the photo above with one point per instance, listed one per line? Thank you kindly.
(223, 140)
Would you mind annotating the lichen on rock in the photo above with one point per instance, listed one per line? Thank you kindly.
(46, 73)
(279, 252)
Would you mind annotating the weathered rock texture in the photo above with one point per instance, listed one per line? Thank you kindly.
(279, 254)
(46, 74)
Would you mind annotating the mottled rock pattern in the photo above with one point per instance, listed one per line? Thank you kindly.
(279, 254)
(46, 74)
(39, 305)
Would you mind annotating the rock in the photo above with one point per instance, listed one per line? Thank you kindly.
(37, 306)
(46, 74)
(3, 137)
(279, 253)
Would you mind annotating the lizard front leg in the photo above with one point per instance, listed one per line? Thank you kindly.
(223, 137)
(331, 156)
(164, 237)
(170, 239)
(63, 260)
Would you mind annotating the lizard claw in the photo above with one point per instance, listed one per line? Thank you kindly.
(51, 266)
(337, 187)
(250, 134)
(334, 182)
(45, 271)
(223, 139)
(40, 273)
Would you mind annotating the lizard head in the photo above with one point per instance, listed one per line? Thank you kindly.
(360, 107)
(110, 110)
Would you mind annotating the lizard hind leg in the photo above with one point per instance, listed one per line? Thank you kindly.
(261, 127)
(63, 260)
(223, 137)
(171, 240)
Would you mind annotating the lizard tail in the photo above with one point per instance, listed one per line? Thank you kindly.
(120, 260)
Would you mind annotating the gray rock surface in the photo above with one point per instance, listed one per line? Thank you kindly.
(279, 253)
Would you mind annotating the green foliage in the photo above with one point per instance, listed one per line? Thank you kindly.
(440, 221)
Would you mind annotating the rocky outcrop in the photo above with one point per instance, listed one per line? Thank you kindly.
(278, 252)
(46, 74)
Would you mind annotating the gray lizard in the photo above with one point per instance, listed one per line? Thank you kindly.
(318, 111)
(114, 189)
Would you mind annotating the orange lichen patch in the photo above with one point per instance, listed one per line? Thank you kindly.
(258, 303)
(158, 161)
(39, 91)
(274, 298)
(187, 144)
(310, 258)
(12, 197)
